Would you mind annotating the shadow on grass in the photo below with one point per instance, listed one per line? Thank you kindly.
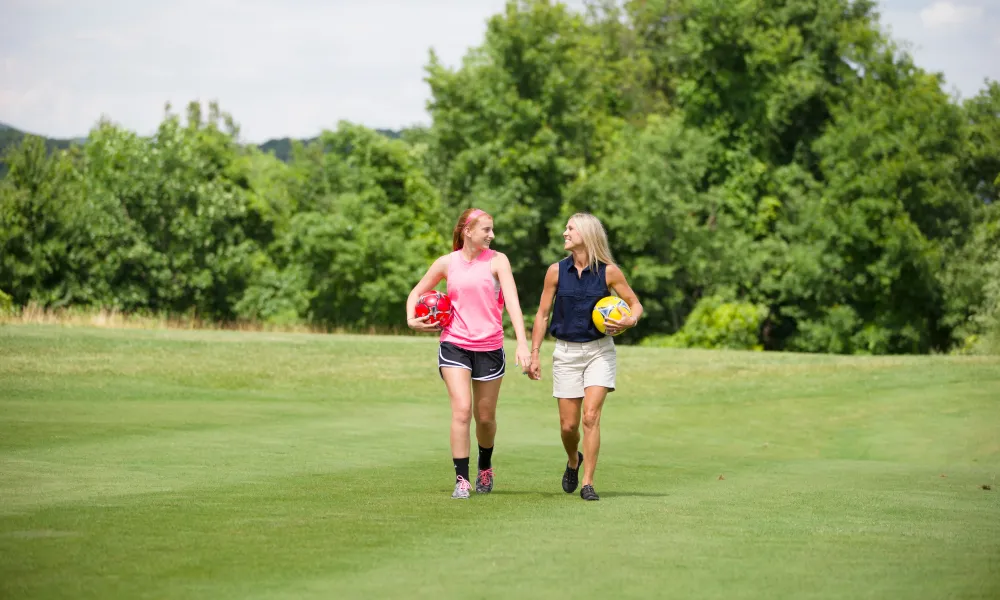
(525, 493)
(515, 493)
(575, 494)
(632, 494)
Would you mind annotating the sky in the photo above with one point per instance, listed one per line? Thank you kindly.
(294, 67)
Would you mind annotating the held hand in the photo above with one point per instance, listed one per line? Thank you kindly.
(535, 369)
(421, 324)
(523, 358)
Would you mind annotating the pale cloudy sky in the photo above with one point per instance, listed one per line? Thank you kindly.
(294, 67)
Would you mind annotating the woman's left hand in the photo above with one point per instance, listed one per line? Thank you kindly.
(615, 326)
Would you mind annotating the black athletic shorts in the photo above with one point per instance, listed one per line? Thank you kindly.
(485, 366)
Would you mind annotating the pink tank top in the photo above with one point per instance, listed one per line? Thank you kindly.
(477, 304)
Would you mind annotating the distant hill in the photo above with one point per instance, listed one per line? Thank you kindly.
(11, 136)
(281, 147)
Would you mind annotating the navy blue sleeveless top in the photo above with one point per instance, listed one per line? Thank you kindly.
(576, 295)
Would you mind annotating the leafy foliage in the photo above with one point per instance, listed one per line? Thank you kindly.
(715, 323)
(771, 174)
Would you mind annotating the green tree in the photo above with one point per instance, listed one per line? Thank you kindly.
(37, 206)
(367, 224)
(892, 204)
(180, 213)
(663, 222)
(766, 71)
(528, 112)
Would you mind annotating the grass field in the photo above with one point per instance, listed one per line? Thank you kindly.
(187, 464)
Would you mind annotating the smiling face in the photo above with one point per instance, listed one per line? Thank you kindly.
(480, 234)
(572, 237)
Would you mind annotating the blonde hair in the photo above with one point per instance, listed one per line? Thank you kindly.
(595, 239)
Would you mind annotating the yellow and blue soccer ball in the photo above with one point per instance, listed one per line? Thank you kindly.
(610, 307)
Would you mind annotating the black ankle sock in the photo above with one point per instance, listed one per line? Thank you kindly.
(461, 468)
(485, 458)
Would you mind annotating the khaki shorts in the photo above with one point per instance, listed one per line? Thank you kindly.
(579, 365)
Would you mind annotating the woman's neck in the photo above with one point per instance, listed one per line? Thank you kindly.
(580, 259)
(469, 253)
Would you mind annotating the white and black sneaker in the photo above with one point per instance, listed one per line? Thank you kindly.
(484, 483)
(462, 487)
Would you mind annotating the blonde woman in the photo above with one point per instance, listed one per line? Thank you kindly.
(584, 360)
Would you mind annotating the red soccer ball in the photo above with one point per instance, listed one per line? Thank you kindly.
(437, 305)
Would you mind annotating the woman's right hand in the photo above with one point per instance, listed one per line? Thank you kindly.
(421, 324)
(535, 369)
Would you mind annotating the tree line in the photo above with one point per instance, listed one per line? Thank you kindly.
(773, 174)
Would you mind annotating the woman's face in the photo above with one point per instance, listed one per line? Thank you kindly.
(572, 237)
(480, 234)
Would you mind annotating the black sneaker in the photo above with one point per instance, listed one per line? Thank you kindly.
(571, 477)
(588, 493)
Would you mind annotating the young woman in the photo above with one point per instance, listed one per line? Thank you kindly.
(471, 359)
(584, 359)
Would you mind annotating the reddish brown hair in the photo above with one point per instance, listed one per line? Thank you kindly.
(458, 236)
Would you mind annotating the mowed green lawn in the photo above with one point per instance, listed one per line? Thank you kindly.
(181, 464)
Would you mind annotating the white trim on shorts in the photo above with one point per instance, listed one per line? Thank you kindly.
(497, 375)
(451, 363)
